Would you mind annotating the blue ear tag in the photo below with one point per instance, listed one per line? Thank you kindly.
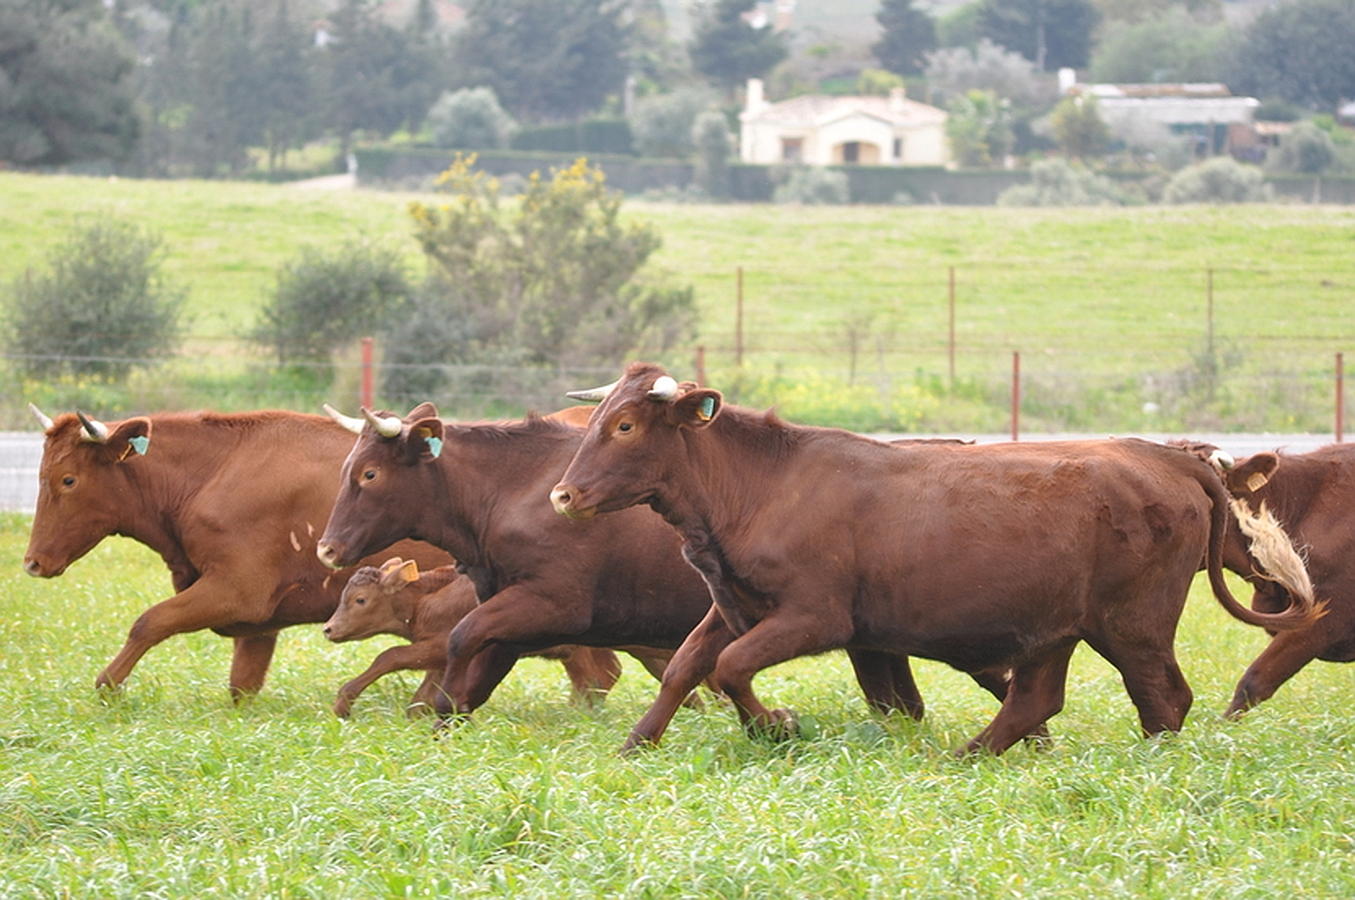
(139, 444)
(434, 446)
(707, 408)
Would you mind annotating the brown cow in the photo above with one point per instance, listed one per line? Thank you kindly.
(422, 607)
(231, 504)
(480, 492)
(983, 557)
(1312, 495)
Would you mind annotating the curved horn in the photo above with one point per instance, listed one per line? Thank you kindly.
(593, 395)
(352, 423)
(1222, 460)
(386, 426)
(43, 419)
(665, 388)
(95, 431)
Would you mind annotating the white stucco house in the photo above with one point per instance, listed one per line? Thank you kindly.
(822, 130)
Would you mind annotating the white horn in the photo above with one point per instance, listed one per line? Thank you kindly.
(665, 388)
(352, 423)
(1222, 460)
(43, 419)
(386, 426)
(593, 395)
(94, 431)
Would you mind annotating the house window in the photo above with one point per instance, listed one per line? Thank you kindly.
(898, 148)
(851, 152)
(792, 149)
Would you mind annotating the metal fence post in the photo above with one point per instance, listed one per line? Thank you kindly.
(1016, 395)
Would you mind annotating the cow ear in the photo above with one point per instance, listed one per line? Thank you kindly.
(424, 410)
(396, 573)
(130, 438)
(424, 438)
(697, 408)
(1252, 473)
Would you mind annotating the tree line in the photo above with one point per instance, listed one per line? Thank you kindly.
(215, 87)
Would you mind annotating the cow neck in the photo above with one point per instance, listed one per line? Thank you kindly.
(164, 483)
(482, 470)
(724, 475)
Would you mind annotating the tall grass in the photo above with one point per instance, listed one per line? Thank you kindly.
(169, 790)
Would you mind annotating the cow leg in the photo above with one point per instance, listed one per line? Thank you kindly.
(486, 670)
(515, 615)
(996, 682)
(774, 639)
(887, 681)
(249, 663)
(428, 654)
(1156, 686)
(592, 672)
(421, 703)
(1284, 656)
(692, 662)
(201, 605)
(1034, 693)
(656, 662)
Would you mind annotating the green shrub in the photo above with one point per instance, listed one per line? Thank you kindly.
(102, 307)
(1306, 149)
(811, 185)
(1056, 182)
(325, 299)
(1219, 180)
(662, 124)
(470, 118)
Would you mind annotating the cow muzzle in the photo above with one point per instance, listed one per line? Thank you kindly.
(33, 567)
(564, 498)
(329, 555)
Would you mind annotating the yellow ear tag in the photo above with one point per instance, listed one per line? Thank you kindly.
(1256, 481)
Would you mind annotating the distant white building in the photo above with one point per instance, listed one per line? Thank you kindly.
(1206, 111)
(822, 130)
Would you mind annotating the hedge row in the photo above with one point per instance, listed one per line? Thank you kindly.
(755, 183)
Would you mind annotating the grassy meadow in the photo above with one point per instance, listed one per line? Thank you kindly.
(845, 308)
(168, 790)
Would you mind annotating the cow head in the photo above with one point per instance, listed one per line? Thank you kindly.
(633, 440)
(386, 485)
(372, 602)
(84, 487)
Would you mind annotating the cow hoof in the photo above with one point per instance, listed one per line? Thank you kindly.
(636, 745)
(342, 708)
(783, 726)
(447, 723)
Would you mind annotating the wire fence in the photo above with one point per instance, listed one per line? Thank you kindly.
(1105, 345)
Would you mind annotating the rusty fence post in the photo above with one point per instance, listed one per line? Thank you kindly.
(1016, 395)
(1340, 397)
(701, 364)
(365, 397)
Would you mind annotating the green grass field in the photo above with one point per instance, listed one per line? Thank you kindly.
(1107, 306)
(170, 791)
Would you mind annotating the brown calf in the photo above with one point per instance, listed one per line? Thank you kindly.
(422, 608)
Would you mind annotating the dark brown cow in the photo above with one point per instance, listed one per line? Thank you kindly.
(983, 557)
(231, 503)
(480, 492)
(1313, 497)
(423, 607)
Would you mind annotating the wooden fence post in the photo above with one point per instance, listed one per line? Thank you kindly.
(1340, 397)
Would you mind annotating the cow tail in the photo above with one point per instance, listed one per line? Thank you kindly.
(1272, 548)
